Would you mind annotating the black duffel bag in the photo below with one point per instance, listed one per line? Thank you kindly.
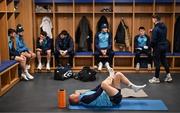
(63, 73)
(86, 74)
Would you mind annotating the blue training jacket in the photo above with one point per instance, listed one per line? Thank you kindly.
(20, 45)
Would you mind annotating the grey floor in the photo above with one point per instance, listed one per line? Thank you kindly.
(39, 95)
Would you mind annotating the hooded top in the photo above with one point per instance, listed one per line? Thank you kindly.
(46, 26)
(45, 45)
(64, 44)
(12, 50)
(159, 37)
(20, 45)
(84, 35)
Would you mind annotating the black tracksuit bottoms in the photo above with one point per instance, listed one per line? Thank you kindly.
(160, 58)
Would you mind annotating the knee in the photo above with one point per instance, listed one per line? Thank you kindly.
(28, 55)
(119, 74)
(33, 55)
(103, 84)
(38, 53)
(49, 52)
(22, 60)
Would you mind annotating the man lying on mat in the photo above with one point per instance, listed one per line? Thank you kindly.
(108, 93)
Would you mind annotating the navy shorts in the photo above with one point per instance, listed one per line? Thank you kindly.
(116, 99)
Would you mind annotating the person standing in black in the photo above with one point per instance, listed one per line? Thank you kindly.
(160, 46)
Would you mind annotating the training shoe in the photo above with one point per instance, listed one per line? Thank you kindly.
(24, 76)
(39, 66)
(137, 66)
(137, 88)
(100, 66)
(149, 66)
(29, 75)
(47, 66)
(28, 67)
(154, 80)
(168, 78)
(107, 65)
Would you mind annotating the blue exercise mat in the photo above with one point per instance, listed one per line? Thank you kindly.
(128, 104)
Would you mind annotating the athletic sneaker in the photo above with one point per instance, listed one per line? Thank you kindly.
(168, 78)
(107, 65)
(39, 66)
(137, 66)
(154, 80)
(29, 75)
(100, 66)
(24, 76)
(47, 66)
(149, 66)
(137, 88)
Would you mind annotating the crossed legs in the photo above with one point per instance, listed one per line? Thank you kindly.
(113, 82)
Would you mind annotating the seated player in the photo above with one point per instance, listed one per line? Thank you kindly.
(64, 46)
(142, 46)
(108, 93)
(15, 55)
(103, 47)
(43, 46)
(21, 46)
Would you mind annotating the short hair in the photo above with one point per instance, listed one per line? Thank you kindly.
(10, 30)
(156, 16)
(71, 102)
(64, 32)
(141, 27)
(44, 33)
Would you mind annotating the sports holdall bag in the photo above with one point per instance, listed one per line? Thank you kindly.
(63, 73)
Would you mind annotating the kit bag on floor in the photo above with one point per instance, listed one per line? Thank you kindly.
(86, 74)
(63, 73)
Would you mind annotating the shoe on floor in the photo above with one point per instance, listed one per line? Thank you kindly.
(168, 78)
(154, 80)
(100, 66)
(137, 66)
(29, 76)
(24, 76)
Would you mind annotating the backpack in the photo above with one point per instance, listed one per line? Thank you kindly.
(63, 73)
(86, 74)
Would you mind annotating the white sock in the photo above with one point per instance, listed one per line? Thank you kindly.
(39, 61)
(48, 62)
(25, 71)
(136, 88)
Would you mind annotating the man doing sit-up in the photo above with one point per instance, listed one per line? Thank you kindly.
(108, 93)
